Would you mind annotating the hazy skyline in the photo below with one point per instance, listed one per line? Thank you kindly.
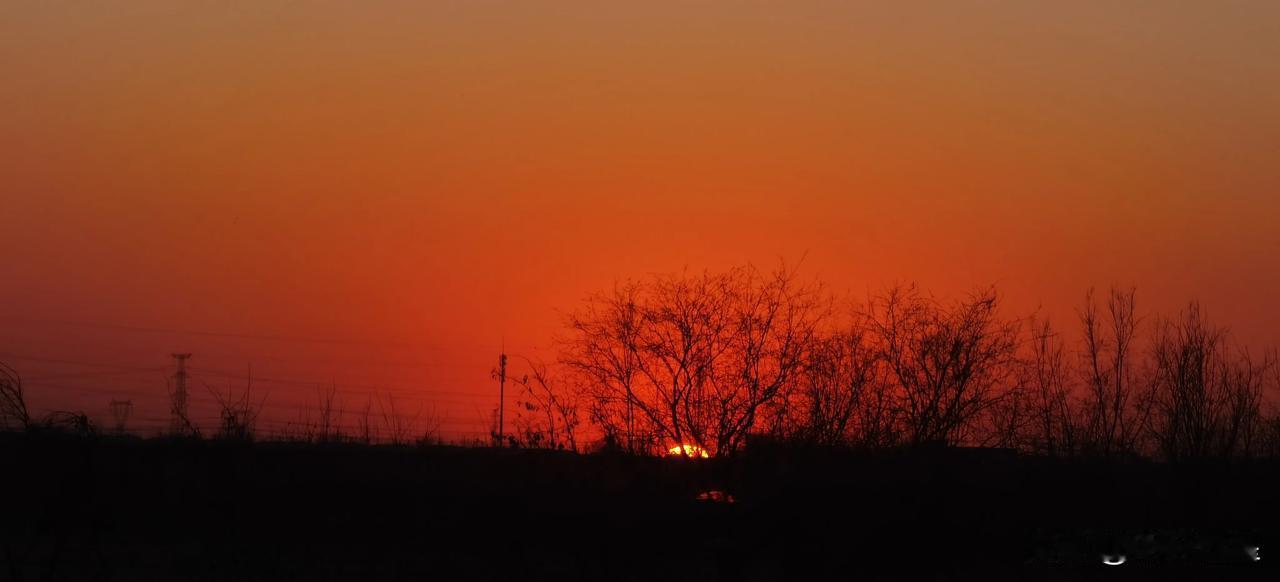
(381, 195)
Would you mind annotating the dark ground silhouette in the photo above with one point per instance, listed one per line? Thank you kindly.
(79, 508)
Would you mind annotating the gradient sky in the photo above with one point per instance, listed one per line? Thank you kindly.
(378, 193)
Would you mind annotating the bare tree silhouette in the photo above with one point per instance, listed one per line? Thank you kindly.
(237, 411)
(549, 407)
(779, 323)
(69, 421)
(365, 428)
(1267, 433)
(13, 403)
(1055, 425)
(327, 426)
(184, 425)
(949, 363)
(428, 423)
(397, 427)
(1207, 397)
(692, 359)
(14, 412)
(843, 395)
(604, 349)
(1116, 405)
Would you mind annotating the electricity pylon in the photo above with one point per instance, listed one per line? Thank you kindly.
(120, 412)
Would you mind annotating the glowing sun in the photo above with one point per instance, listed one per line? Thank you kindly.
(691, 451)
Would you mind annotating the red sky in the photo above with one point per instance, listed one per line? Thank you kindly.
(378, 193)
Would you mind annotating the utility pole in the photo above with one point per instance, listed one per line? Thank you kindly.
(502, 391)
(178, 421)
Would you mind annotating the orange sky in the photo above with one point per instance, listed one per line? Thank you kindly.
(419, 180)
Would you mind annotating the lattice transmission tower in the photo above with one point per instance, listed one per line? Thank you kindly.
(120, 410)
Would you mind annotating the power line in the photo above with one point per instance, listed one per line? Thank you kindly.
(13, 356)
(248, 336)
(124, 370)
(347, 387)
(149, 394)
(75, 375)
(181, 399)
(134, 391)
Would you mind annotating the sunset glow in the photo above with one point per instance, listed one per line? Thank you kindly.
(506, 290)
(379, 197)
(690, 451)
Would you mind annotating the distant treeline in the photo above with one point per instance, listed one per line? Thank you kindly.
(701, 363)
(714, 359)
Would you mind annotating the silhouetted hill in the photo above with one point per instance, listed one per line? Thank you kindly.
(129, 509)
